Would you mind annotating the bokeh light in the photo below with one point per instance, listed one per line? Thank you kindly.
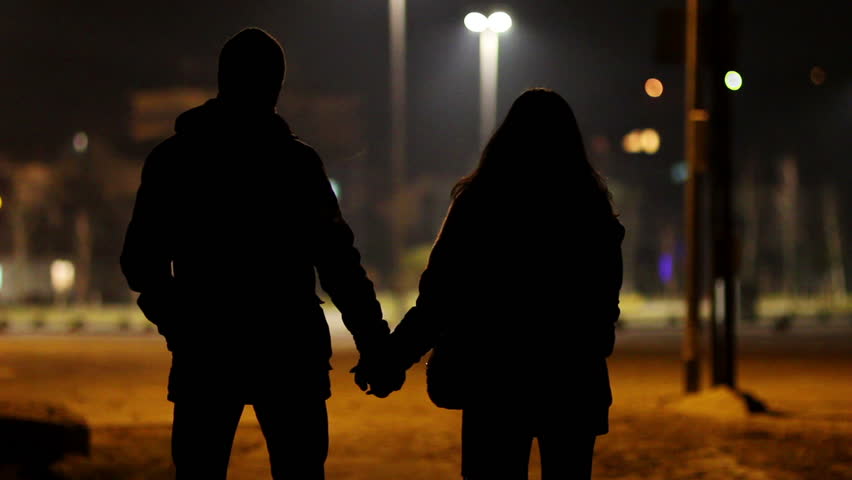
(653, 87)
(61, 275)
(679, 172)
(476, 22)
(632, 142)
(600, 145)
(817, 75)
(665, 267)
(499, 22)
(649, 141)
(80, 142)
(733, 80)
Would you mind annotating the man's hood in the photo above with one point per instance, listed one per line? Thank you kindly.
(214, 115)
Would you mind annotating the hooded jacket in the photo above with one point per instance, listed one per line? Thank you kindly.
(233, 217)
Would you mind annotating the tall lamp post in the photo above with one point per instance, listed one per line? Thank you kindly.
(488, 29)
(398, 133)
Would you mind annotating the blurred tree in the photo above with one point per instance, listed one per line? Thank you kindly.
(748, 195)
(834, 244)
(787, 204)
(96, 190)
(627, 201)
(32, 195)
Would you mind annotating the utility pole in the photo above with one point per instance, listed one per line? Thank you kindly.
(724, 248)
(695, 126)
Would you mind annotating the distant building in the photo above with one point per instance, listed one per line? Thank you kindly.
(153, 112)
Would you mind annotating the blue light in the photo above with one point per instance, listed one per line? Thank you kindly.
(665, 267)
(679, 172)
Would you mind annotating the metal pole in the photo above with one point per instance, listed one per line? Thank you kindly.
(724, 277)
(489, 46)
(398, 131)
(690, 352)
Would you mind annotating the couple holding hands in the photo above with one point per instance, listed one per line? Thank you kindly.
(235, 221)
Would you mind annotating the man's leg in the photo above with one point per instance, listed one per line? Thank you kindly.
(566, 454)
(202, 436)
(296, 437)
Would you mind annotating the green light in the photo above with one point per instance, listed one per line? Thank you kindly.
(335, 187)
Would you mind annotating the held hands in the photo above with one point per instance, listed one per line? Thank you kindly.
(378, 380)
(377, 373)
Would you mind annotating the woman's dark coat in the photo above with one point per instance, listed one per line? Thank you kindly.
(529, 283)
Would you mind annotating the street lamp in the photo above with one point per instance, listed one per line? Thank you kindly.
(397, 30)
(488, 29)
(398, 128)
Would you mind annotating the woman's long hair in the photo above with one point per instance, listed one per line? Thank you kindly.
(539, 143)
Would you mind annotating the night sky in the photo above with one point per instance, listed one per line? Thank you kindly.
(69, 66)
(72, 66)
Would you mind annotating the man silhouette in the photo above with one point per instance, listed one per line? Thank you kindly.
(233, 217)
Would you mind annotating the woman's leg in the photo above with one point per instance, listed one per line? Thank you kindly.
(566, 455)
(495, 445)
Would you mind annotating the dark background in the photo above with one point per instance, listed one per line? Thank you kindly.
(73, 66)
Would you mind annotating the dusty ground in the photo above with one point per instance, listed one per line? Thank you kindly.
(117, 384)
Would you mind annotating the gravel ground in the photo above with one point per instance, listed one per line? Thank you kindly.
(118, 385)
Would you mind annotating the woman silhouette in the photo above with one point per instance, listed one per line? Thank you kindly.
(525, 275)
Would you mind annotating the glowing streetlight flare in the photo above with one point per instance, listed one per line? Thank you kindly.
(733, 80)
(489, 30)
(499, 22)
(80, 142)
(653, 87)
(476, 22)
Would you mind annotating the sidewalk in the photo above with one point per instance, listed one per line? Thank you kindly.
(118, 385)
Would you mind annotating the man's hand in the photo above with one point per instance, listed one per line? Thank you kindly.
(162, 308)
(379, 379)
(386, 381)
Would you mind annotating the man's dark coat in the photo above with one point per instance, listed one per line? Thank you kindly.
(233, 217)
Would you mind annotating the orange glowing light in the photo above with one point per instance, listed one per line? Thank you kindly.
(653, 87)
(649, 141)
(632, 142)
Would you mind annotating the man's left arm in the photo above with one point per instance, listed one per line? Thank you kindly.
(146, 255)
(338, 264)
